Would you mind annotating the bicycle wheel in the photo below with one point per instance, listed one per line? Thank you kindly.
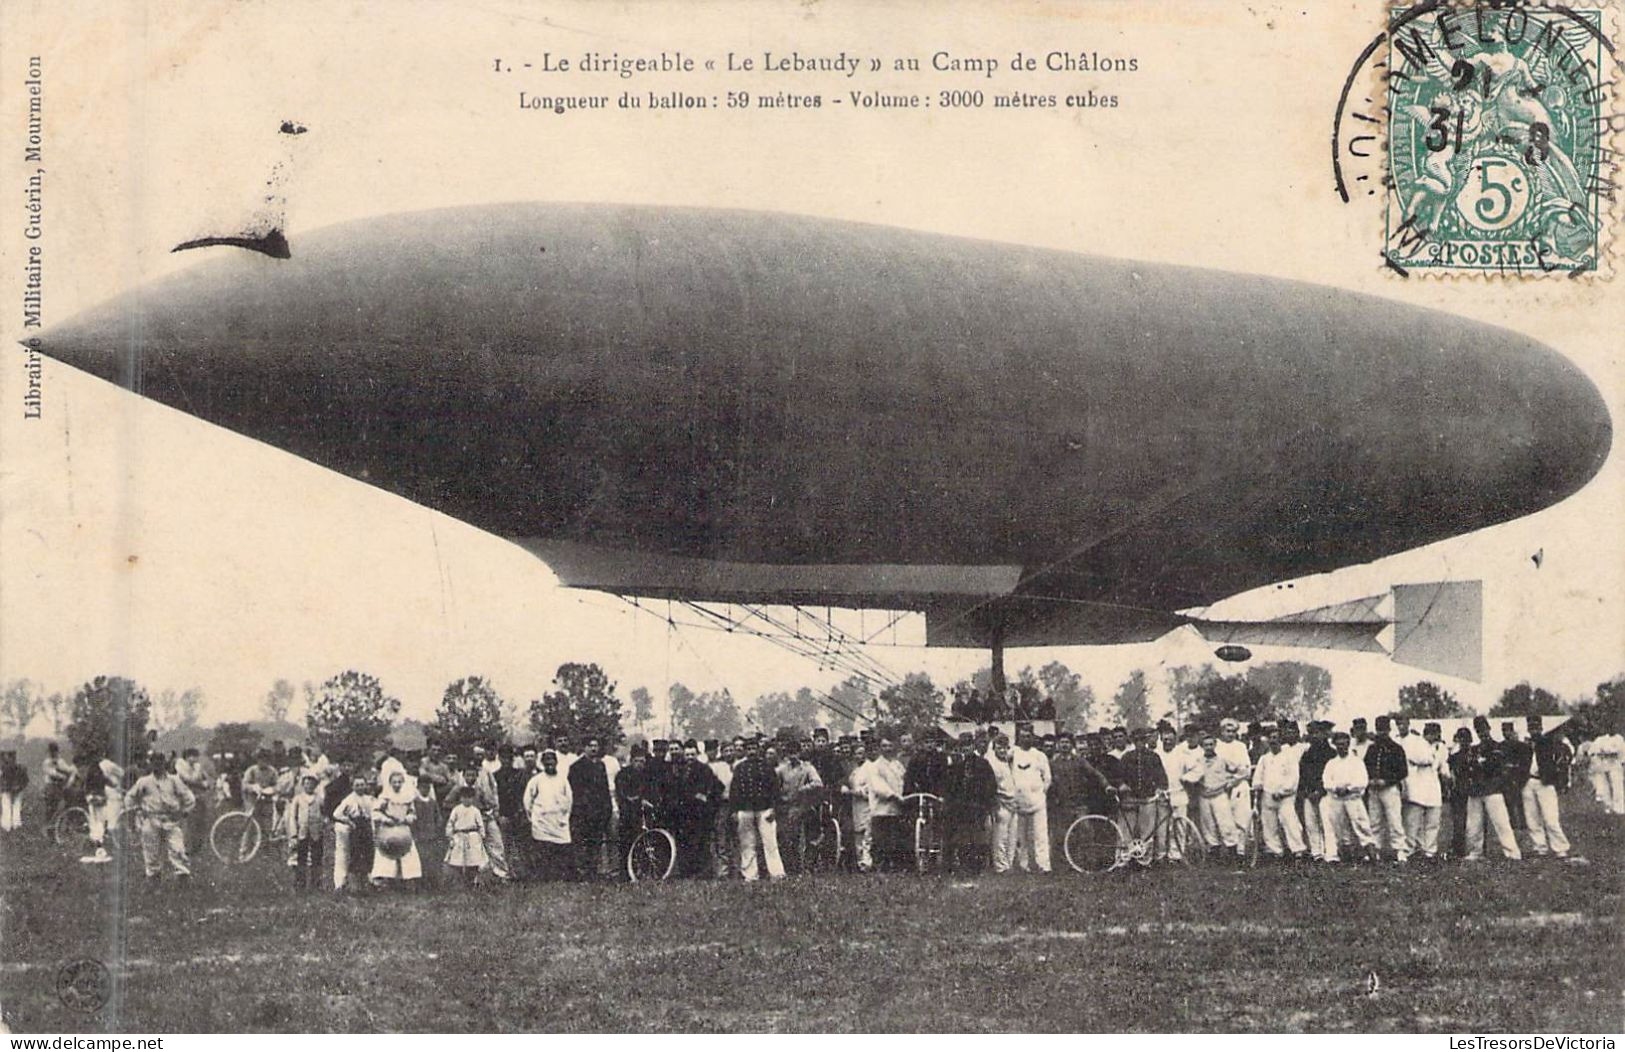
(824, 846)
(235, 837)
(1255, 842)
(651, 855)
(927, 843)
(71, 828)
(1092, 844)
(1185, 844)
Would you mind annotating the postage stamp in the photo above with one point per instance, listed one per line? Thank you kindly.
(1500, 118)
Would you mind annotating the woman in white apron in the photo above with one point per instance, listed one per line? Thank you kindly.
(395, 853)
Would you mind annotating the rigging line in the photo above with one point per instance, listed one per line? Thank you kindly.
(795, 645)
(880, 669)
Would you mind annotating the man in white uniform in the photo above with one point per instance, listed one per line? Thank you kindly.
(1346, 780)
(1277, 778)
(1234, 750)
(1030, 773)
(1423, 795)
(1608, 761)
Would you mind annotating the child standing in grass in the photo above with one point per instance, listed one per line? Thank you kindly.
(305, 824)
(465, 835)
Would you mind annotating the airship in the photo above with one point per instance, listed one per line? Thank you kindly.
(1030, 447)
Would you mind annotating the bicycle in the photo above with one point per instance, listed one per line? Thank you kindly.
(653, 851)
(71, 827)
(1255, 834)
(1097, 844)
(236, 836)
(824, 842)
(927, 831)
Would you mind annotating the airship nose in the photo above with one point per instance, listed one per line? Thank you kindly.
(1560, 426)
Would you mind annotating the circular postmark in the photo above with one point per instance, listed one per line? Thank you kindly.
(83, 985)
(1484, 128)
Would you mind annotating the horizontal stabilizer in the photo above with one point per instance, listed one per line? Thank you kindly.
(1437, 627)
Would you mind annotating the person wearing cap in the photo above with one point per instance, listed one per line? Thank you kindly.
(1209, 784)
(1359, 737)
(162, 801)
(1030, 772)
(755, 793)
(1076, 788)
(1233, 749)
(592, 809)
(969, 799)
(1461, 761)
(1549, 775)
(1318, 834)
(1518, 759)
(58, 773)
(1386, 770)
(352, 835)
(799, 788)
(1345, 781)
(1117, 742)
(927, 768)
(692, 795)
(725, 833)
(1422, 793)
(306, 824)
(547, 803)
(891, 847)
(862, 834)
(1484, 781)
(633, 789)
(1276, 776)
(1143, 779)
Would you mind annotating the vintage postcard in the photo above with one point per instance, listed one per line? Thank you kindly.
(733, 517)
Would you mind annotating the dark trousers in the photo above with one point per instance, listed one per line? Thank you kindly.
(589, 833)
(792, 836)
(554, 861)
(965, 842)
(516, 839)
(1457, 806)
(893, 842)
(693, 835)
(625, 833)
(1513, 795)
(307, 864)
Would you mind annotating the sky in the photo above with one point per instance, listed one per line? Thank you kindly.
(136, 540)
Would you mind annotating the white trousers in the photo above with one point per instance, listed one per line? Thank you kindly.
(1217, 822)
(1541, 818)
(1613, 788)
(164, 839)
(1492, 808)
(104, 816)
(861, 833)
(1346, 820)
(11, 811)
(1241, 810)
(341, 856)
(496, 850)
(1032, 840)
(1422, 828)
(1004, 838)
(1278, 816)
(758, 827)
(1386, 808)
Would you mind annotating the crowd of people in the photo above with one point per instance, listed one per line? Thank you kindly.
(565, 809)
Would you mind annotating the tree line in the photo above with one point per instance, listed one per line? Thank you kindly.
(351, 715)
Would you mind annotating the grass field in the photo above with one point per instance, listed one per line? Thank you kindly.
(1494, 946)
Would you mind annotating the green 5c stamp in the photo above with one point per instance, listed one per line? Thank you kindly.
(1498, 148)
